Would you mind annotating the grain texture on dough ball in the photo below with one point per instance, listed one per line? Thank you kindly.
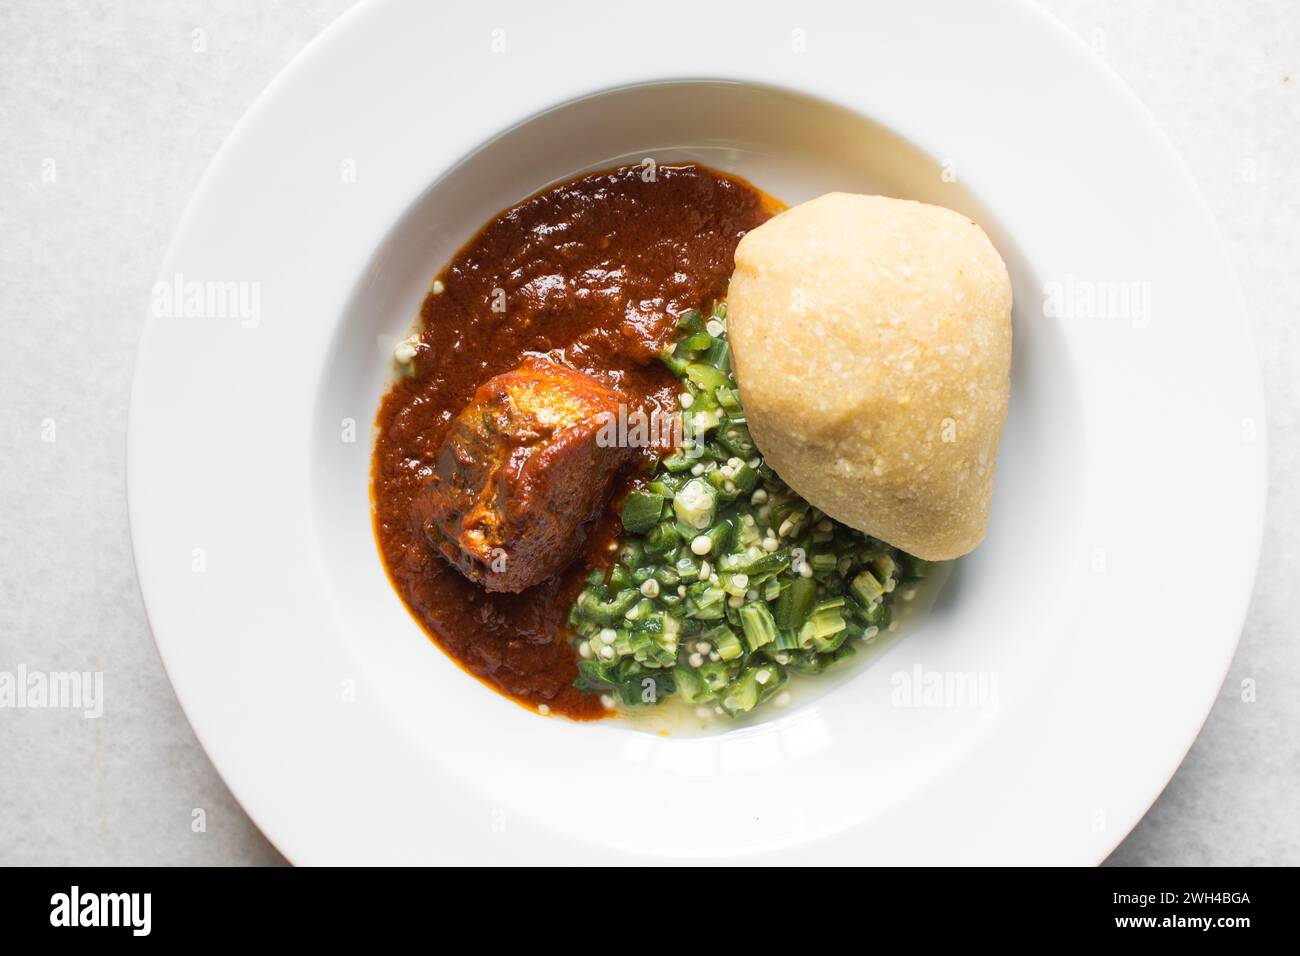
(872, 345)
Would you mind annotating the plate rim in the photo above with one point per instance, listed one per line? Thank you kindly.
(339, 29)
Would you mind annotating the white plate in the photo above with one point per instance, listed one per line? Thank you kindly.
(1101, 612)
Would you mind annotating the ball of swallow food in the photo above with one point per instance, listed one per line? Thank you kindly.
(872, 345)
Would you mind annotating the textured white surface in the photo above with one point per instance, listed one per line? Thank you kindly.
(108, 115)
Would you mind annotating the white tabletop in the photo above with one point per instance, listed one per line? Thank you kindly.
(109, 114)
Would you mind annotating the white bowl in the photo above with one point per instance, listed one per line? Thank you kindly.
(1135, 442)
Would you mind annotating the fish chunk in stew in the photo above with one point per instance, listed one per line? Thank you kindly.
(522, 474)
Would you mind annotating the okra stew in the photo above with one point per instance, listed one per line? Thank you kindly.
(564, 491)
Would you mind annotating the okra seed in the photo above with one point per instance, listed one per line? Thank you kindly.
(406, 350)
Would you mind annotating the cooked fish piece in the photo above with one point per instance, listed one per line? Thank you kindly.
(522, 475)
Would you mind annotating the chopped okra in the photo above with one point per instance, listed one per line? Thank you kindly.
(727, 581)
